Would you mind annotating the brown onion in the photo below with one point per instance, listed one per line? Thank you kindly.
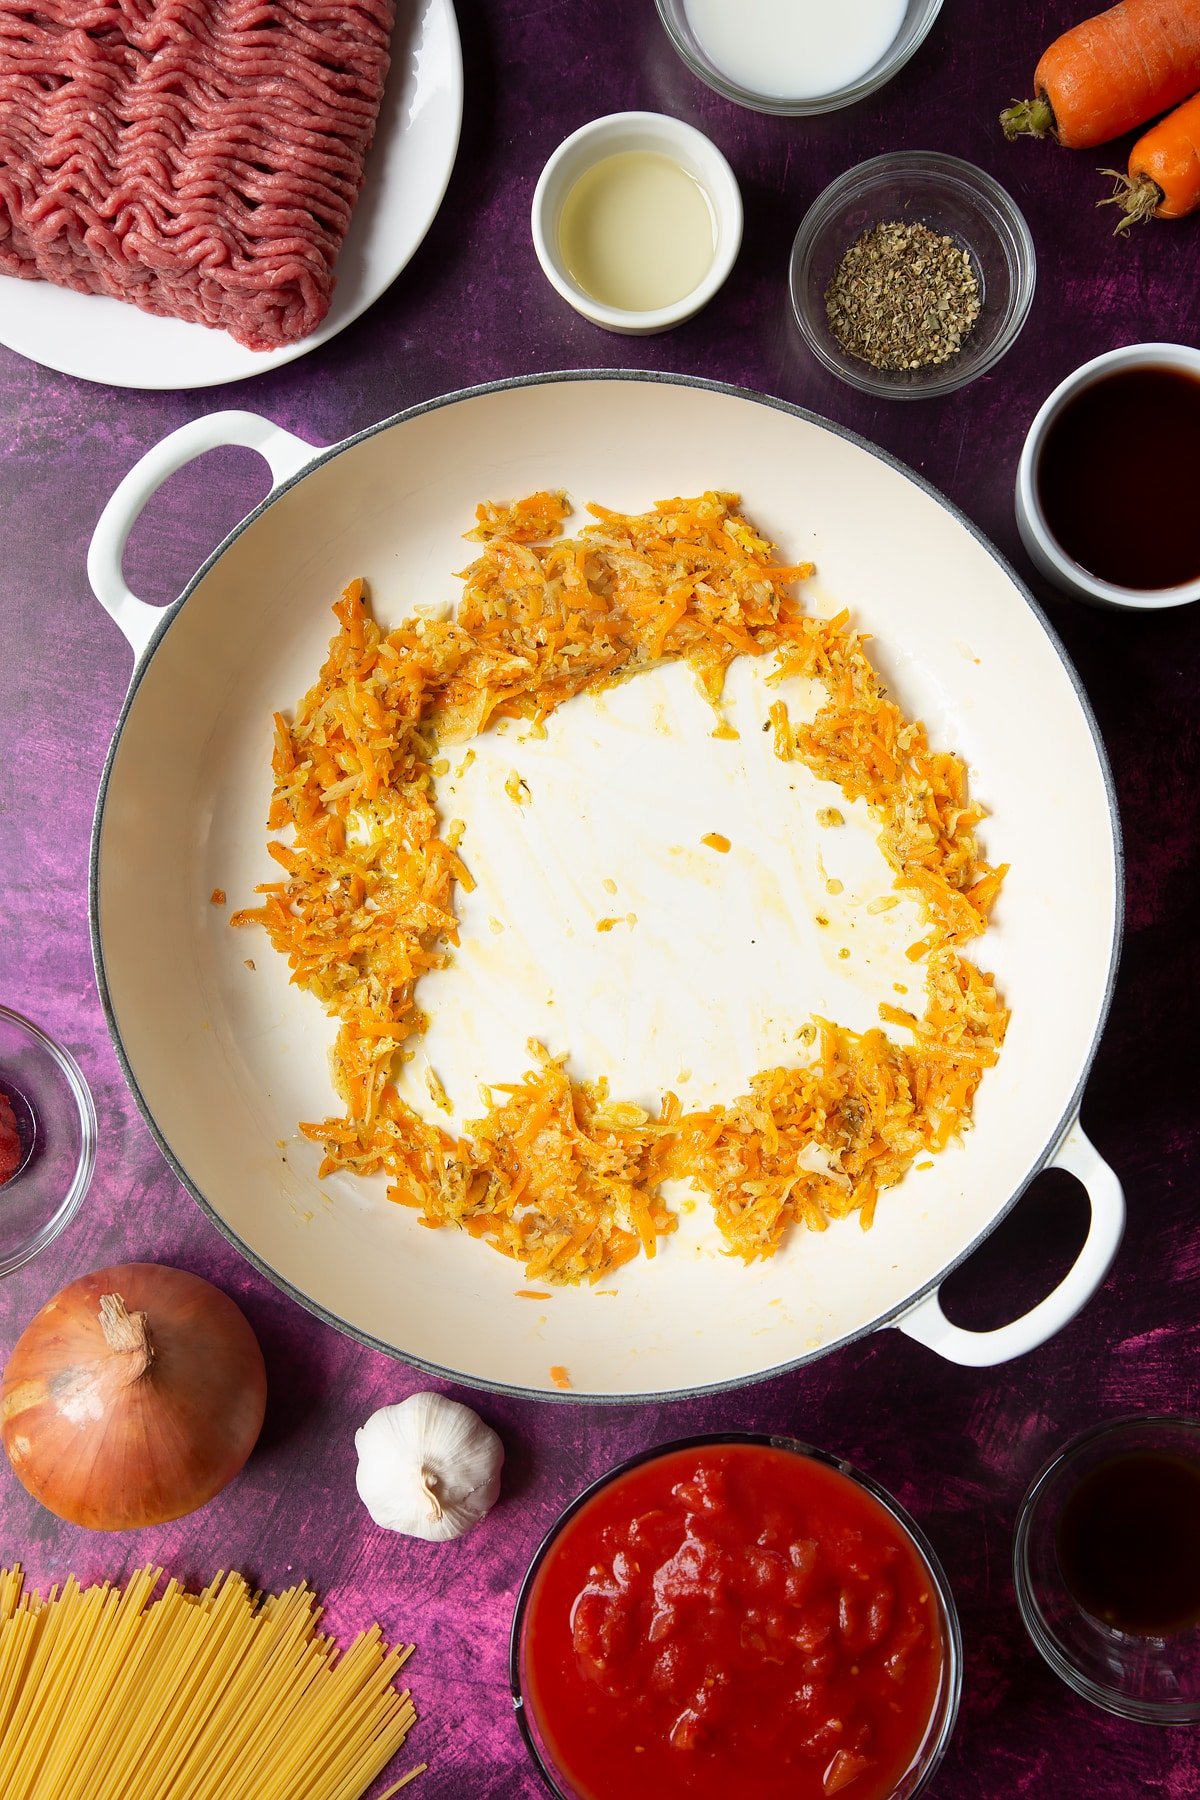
(133, 1397)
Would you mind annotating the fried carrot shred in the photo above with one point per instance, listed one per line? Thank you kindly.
(860, 740)
(555, 1173)
(817, 1142)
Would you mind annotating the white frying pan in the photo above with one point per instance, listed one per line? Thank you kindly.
(714, 961)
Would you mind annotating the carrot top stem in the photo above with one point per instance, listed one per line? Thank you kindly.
(1138, 196)
(1029, 118)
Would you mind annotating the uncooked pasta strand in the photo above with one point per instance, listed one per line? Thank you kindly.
(97, 1613)
(19, 1749)
(264, 1675)
(164, 1665)
(111, 1694)
(344, 1716)
(116, 1676)
(403, 1781)
(219, 1627)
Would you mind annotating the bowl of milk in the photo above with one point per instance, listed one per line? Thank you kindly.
(796, 56)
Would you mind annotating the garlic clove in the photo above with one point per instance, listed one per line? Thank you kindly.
(428, 1467)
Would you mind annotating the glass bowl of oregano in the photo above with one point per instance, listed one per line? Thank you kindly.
(912, 274)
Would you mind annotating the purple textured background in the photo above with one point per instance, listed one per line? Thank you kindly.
(956, 1446)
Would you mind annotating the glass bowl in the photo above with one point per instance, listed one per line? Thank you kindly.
(944, 1712)
(1152, 1674)
(956, 200)
(56, 1131)
(918, 19)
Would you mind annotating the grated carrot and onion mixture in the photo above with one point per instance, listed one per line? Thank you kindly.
(556, 1173)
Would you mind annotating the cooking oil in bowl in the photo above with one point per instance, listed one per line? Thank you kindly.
(795, 49)
(637, 231)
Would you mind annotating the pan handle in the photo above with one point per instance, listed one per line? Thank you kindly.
(928, 1324)
(284, 453)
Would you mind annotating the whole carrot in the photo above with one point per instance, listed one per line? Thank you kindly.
(1111, 73)
(1163, 181)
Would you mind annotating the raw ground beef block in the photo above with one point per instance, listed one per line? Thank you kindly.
(200, 158)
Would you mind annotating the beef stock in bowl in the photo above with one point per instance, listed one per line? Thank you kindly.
(209, 1027)
(1071, 495)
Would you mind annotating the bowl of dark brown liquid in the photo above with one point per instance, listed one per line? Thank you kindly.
(1099, 516)
(1106, 1562)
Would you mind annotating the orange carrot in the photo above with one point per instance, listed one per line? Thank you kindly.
(1164, 170)
(1112, 72)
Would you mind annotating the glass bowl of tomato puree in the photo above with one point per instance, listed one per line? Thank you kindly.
(735, 1614)
(47, 1139)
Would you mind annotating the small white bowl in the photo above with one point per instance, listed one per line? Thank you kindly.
(614, 135)
(1044, 550)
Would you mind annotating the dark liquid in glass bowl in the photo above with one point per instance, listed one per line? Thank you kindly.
(1118, 478)
(1129, 1543)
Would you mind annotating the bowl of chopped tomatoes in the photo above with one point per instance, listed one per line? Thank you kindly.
(736, 1614)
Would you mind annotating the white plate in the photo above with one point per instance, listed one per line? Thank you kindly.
(406, 175)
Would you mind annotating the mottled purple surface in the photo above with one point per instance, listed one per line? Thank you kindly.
(956, 1446)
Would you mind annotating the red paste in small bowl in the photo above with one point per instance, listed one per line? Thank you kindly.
(733, 1618)
(12, 1154)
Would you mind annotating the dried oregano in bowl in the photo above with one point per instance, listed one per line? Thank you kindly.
(911, 274)
(903, 297)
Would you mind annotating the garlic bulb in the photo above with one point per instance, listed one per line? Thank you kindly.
(428, 1467)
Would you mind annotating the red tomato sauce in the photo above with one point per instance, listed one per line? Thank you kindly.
(732, 1619)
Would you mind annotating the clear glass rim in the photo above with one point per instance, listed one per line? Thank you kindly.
(69, 1205)
(931, 1750)
(1006, 218)
(1147, 1712)
(905, 45)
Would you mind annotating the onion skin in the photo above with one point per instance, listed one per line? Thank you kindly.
(113, 1439)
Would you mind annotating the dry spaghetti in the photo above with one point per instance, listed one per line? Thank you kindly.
(557, 1174)
(111, 1694)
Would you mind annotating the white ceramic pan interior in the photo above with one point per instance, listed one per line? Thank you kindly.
(715, 960)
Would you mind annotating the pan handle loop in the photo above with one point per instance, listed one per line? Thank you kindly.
(928, 1324)
(285, 454)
